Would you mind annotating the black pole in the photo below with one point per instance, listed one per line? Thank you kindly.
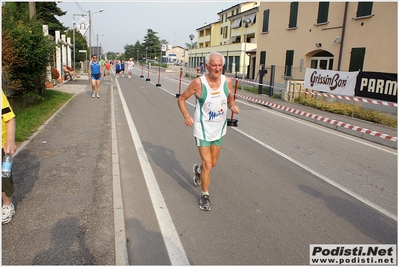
(272, 73)
(261, 74)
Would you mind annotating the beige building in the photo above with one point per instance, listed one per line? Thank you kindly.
(229, 36)
(343, 36)
(176, 54)
(293, 36)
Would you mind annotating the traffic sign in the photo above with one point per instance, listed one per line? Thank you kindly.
(82, 25)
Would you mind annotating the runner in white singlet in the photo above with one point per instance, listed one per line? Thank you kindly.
(210, 111)
(213, 92)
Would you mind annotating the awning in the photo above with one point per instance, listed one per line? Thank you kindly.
(232, 40)
(251, 17)
(236, 23)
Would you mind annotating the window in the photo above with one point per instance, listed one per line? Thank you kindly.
(236, 23)
(357, 59)
(225, 32)
(293, 15)
(322, 17)
(262, 58)
(289, 60)
(265, 26)
(364, 9)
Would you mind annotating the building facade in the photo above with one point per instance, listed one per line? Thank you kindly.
(229, 36)
(342, 36)
(176, 55)
(293, 36)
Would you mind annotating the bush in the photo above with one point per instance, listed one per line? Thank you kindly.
(26, 69)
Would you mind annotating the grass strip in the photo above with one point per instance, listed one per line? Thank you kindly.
(30, 118)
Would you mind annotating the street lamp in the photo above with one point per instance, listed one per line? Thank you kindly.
(191, 48)
(146, 60)
(101, 10)
(74, 25)
(246, 21)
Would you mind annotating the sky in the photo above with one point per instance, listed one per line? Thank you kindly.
(126, 22)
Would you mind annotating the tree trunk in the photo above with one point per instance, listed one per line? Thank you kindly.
(32, 10)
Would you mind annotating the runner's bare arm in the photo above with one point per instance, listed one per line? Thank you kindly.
(192, 89)
(231, 103)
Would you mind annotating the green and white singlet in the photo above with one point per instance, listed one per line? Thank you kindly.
(211, 111)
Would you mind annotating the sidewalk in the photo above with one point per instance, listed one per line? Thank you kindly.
(63, 179)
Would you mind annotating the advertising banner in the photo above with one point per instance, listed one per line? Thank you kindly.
(377, 85)
(333, 82)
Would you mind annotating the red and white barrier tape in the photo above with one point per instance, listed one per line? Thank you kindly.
(321, 118)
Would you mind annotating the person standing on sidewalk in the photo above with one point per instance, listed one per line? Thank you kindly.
(8, 147)
(96, 74)
(214, 95)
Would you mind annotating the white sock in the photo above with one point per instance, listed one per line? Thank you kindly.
(205, 193)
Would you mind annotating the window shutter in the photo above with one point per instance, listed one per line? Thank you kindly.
(293, 15)
(323, 12)
(266, 14)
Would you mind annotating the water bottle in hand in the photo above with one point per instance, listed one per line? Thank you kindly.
(6, 166)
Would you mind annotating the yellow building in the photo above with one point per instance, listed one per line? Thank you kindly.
(229, 36)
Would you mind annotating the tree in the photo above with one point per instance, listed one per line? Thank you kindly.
(30, 49)
(46, 12)
(134, 51)
(151, 44)
(111, 55)
(193, 46)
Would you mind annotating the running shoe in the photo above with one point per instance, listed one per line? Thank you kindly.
(8, 213)
(94, 94)
(196, 178)
(98, 95)
(205, 203)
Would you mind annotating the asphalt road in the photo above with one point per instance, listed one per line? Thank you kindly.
(280, 185)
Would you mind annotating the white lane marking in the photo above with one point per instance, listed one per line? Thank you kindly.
(328, 180)
(173, 245)
(321, 128)
(121, 254)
